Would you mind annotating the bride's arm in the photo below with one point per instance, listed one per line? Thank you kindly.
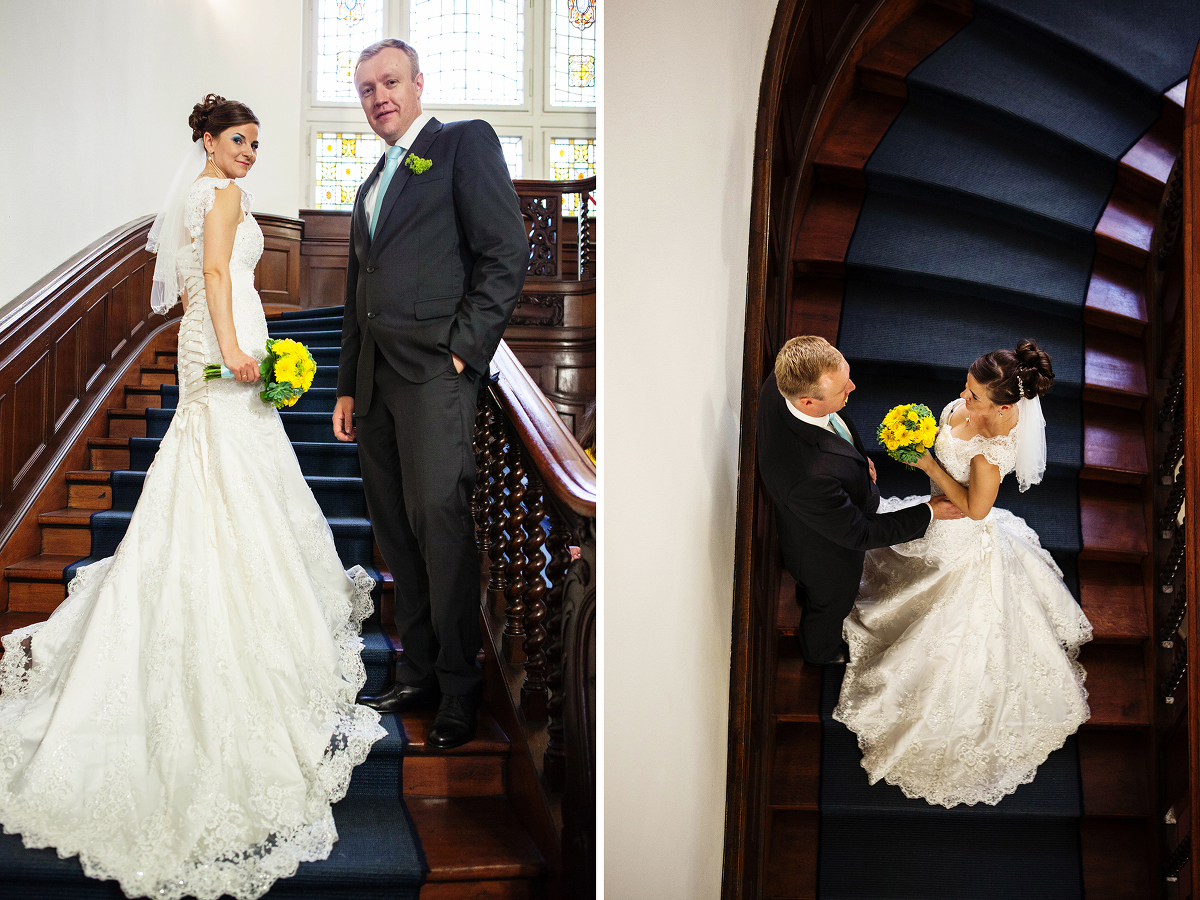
(220, 229)
(979, 497)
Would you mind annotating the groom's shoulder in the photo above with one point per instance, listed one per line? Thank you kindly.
(468, 129)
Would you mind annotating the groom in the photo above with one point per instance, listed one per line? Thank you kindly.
(823, 485)
(438, 254)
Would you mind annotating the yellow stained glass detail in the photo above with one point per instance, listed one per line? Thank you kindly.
(345, 65)
(348, 145)
(581, 17)
(581, 71)
(343, 161)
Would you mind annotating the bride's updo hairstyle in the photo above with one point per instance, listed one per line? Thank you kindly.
(1000, 370)
(214, 114)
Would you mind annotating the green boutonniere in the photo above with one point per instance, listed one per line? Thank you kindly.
(417, 164)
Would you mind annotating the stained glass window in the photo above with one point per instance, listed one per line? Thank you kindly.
(572, 158)
(472, 51)
(343, 163)
(514, 155)
(344, 27)
(573, 52)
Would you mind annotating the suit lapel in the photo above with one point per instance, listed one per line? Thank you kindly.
(403, 173)
(826, 441)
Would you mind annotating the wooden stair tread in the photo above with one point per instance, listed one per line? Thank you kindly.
(795, 772)
(791, 872)
(125, 413)
(826, 228)
(1116, 296)
(1113, 595)
(797, 688)
(1116, 684)
(1115, 863)
(1114, 368)
(489, 737)
(787, 612)
(43, 567)
(1114, 444)
(121, 442)
(11, 621)
(473, 838)
(886, 65)
(70, 517)
(816, 307)
(1113, 521)
(1147, 164)
(854, 136)
(1126, 228)
(89, 476)
(1114, 772)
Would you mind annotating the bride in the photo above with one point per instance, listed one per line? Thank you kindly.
(185, 718)
(963, 676)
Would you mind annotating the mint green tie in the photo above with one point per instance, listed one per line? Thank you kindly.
(389, 169)
(839, 428)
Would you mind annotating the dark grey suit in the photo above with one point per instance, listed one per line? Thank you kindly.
(442, 275)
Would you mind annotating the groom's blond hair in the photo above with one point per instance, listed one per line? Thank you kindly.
(801, 363)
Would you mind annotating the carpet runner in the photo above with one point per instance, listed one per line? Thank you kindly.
(378, 855)
(976, 231)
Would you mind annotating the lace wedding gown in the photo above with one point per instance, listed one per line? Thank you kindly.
(963, 643)
(185, 718)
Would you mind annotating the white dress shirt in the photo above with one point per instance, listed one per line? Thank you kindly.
(406, 141)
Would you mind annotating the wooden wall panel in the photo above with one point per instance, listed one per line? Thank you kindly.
(31, 396)
(66, 342)
(118, 318)
(95, 340)
(277, 276)
(67, 372)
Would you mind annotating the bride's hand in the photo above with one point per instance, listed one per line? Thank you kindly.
(926, 463)
(243, 366)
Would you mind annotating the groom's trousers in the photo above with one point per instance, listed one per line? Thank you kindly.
(418, 470)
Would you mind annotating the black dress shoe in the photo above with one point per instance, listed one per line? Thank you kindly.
(401, 697)
(454, 723)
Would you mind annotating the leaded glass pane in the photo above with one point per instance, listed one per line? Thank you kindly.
(573, 52)
(343, 163)
(344, 28)
(572, 158)
(472, 51)
(514, 155)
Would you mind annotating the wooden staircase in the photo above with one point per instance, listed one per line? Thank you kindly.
(1116, 747)
(474, 840)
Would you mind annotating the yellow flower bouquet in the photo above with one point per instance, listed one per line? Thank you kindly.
(287, 372)
(907, 432)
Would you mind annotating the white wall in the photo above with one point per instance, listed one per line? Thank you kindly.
(94, 101)
(680, 102)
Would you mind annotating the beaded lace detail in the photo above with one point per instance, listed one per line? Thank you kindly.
(963, 674)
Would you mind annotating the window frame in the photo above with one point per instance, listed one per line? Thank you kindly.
(534, 122)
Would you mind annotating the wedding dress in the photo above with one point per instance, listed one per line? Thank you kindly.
(185, 718)
(963, 676)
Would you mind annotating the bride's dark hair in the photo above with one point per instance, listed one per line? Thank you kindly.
(1000, 370)
(214, 114)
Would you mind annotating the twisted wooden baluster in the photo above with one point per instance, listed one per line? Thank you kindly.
(584, 228)
(514, 572)
(496, 512)
(1174, 679)
(533, 691)
(479, 497)
(1178, 859)
(559, 544)
(1174, 562)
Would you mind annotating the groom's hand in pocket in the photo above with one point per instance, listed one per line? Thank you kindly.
(343, 419)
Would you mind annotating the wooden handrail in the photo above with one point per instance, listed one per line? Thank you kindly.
(563, 466)
(528, 187)
(1191, 463)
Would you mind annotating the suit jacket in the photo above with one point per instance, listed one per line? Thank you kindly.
(445, 268)
(825, 501)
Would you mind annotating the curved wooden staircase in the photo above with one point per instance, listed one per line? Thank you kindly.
(831, 92)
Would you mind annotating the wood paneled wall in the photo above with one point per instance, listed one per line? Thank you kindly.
(62, 342)
(277, 278)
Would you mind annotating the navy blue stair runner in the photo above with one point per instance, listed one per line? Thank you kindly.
(377, 855)
(976, 231)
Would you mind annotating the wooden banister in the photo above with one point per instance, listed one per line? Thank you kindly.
(1190, 530)
(564, 468)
